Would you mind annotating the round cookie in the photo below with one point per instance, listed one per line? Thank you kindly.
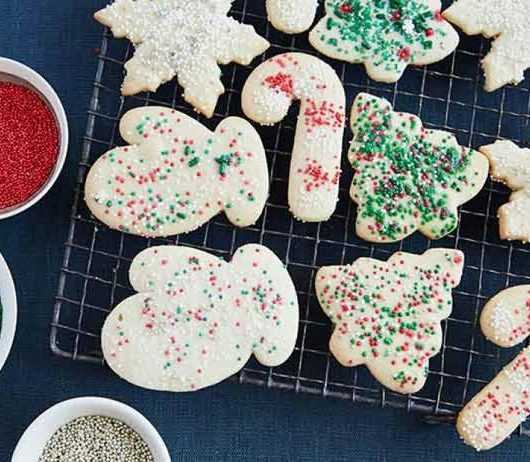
(292, 16)
(196, 319)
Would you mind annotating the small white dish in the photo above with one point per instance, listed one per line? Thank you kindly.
(18, 73)
(34, 439)
(8, 298)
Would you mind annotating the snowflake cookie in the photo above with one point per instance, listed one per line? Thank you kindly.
(385, 35)
(292, 16)
(506, 21)
(315, 162)
(505, 320)
(511, 165)
(183, 38)
(176, 174)
(405, 176)
(387, 314)
(196, 319)
(493, 414)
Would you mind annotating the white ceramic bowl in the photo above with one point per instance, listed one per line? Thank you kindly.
(8, 298)
(15, 72)
(32, 443)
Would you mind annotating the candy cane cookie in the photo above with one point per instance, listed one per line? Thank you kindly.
(494, 413)
(176, 174)
(315, 163)
(292, 16)
(196, 319)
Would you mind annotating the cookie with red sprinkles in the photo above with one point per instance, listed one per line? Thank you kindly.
(197, 319)
(406, 177)
(316, 157)
(176, 174)
(387, 315)
(183, 38)
(498, 410)
(385, 35)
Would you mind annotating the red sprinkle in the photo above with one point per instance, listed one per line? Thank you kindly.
(29, 144)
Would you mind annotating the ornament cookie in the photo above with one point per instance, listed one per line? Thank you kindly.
(406, 177)
(505, 320)
(176, 174)
(197, 319)
(385, 35)
(492, 415)
(510, 164)
(292, 16)
(387, 314)
(506, 22)
(315, 163)
(183, 38)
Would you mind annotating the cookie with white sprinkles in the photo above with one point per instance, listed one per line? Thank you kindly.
(406, 177)
(176, 174)
(197, 319)
(508, 24)
(387, 315)
(494, 413)
(316, 157)
(505, 320)
(292, 16)
(385, 35)
(183, 38)
(510, 165)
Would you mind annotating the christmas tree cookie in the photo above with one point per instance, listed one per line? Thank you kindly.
(405, 176)
(196, 319)
(385, 35)
(176, 174)
(511, 165)
(183, 38)
(506, 22)
(387, 314)
(292, 16)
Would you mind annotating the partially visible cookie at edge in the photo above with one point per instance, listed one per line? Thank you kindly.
(291, 16)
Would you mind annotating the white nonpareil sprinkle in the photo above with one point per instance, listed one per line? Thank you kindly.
(96, 439)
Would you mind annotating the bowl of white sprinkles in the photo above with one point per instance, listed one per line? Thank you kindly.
(91, 429)
(8, 311)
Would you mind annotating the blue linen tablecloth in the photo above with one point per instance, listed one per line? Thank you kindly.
(224, 423)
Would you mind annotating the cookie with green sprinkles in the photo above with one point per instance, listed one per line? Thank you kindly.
(176, 174)
(292, 16)
(387, 315)
(197, 319)
(385, 35)
(406, 177)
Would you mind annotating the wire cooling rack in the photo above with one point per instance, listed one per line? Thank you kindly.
(447, 95)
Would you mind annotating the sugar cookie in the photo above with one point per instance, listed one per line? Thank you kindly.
(177, 175)
(197, 319)
(505, 320)
(315, 163)
(183, 38)
(492, 415)
(511, 165)
(385, 35)
(405, 176)
(506, 22)
(387, 314)
(292, 16)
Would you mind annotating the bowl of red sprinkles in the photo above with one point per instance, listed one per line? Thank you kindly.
(34, 139)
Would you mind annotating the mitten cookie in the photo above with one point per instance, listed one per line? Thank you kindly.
(292, 16)
(315, 164)
(183, 38)
(387, 314)
(405, 176)
(197, 319)
(505, 320)
(511, 165)
(177, 174)
(507, 23)
(385, 35)
(492, 415)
